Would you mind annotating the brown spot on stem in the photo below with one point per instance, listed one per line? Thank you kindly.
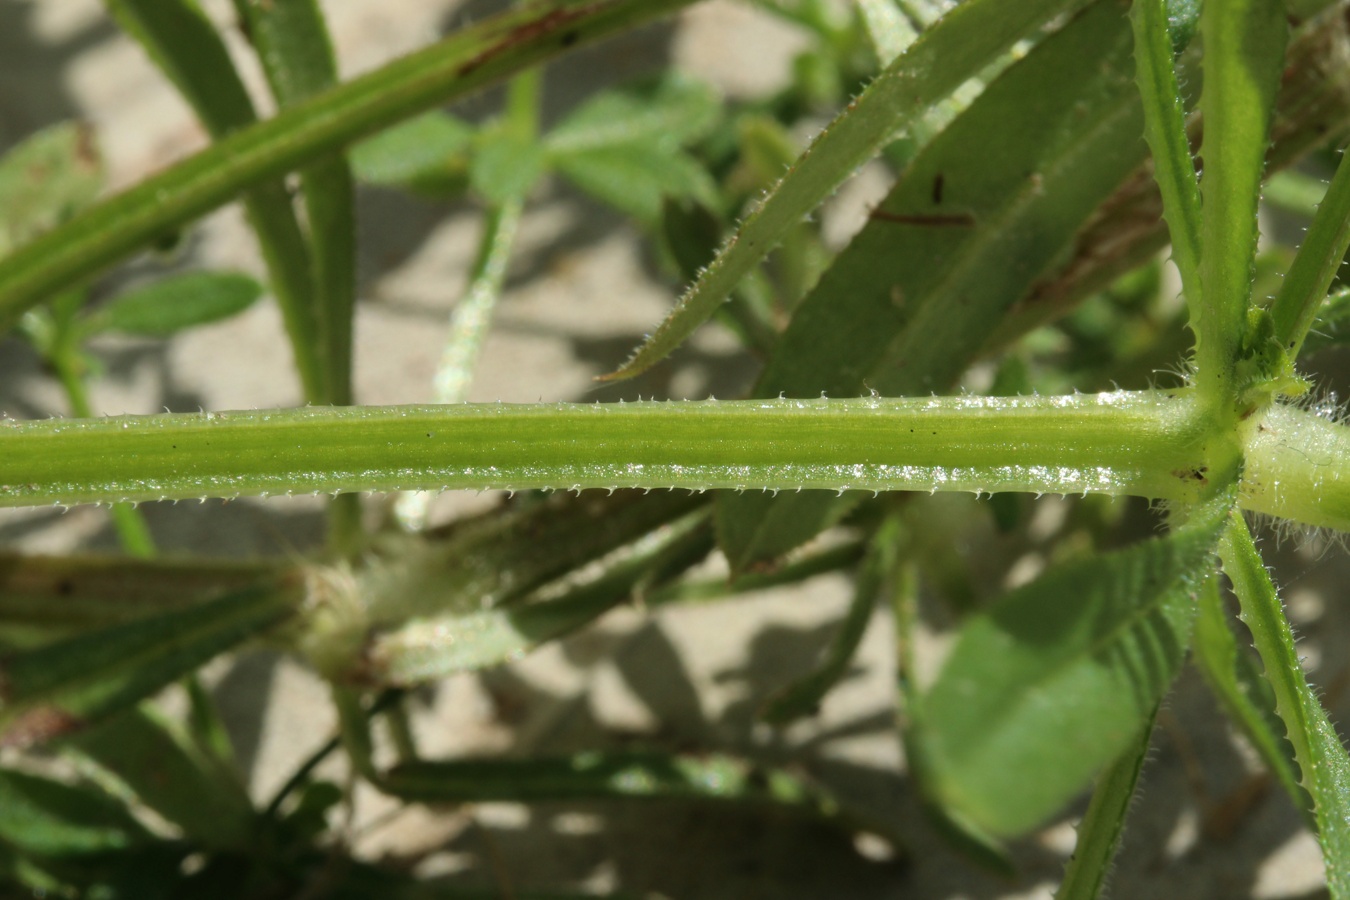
(555, 20)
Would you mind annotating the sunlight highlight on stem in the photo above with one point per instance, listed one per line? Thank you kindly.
(1142, 443)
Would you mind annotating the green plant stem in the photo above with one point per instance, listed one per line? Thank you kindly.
(1234, 677)
(1295, 467)
(354, 729)
(181, 40)
(468, 328)
(1103, 824)
(1143, 443)
(1306, 284)
(462, 63)
(799, 570)
(1244, 55)
(472, 316)
(385, 701)
(1147, 443)
(132, 532)
(1321, 756)
(1165, 129)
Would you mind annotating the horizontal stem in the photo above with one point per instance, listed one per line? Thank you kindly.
(1145, 443)
(1298, 467)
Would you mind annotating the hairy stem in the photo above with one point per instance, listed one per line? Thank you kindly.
(1142, 443)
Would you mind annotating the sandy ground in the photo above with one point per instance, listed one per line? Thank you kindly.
(580, 295)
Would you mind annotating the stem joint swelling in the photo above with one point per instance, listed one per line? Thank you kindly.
(1154, 444)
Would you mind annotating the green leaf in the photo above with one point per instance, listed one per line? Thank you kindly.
(45, 179)
(1103, 824)
(435, 647)
(1244, 43)
(1165, 130)
(46, 817)
(909, 304)
(638, 178)
(1244, 695)
(177, 302)
(168, 774)
(955, 49)
(185, 46)
(1331, 328)
(506, 164)
(669, 113)
(1302, 294)
(465, 61)
(692, 232)
(425, 154)
(292, 42)
(1057, 679)
(62, 687)
(183, 43)
(484, 564)
(1321, 756)
(57, 596)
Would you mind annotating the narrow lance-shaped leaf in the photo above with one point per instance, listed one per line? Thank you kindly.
(1103, 824)
(463, 62)
(1165, 129)
(907, 306)
(184, 44)
(177, 302)
(292, 42)
(1244, 695)
(64, 686)
(1332, 326)
(1321, 755)
(182, 783)
(58, 595)
(632, 775)
(954, 50)
(49, 818)
(1244, 44)
(1303, 292)
(1058, 678)
(434, 647)
(485, 563)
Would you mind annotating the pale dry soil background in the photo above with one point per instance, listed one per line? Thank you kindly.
(581, 293)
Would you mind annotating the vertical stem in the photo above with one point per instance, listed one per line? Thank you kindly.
(472, 317)
(1314, 268)
(1103, 824)
(1244, 44)
(1322, 759)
